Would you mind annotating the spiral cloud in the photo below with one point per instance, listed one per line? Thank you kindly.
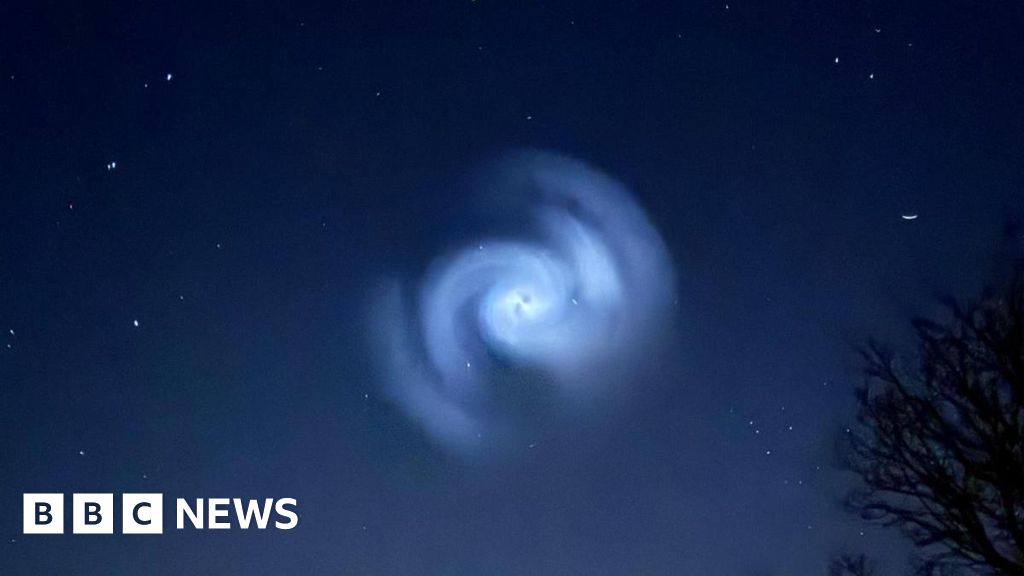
(510, 330)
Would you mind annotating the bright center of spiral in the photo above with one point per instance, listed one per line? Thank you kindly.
(522, 306)
(517, 315)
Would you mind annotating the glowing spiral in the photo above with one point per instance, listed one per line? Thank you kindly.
(566, 305)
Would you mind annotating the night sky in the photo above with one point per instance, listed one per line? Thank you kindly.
(199, 205)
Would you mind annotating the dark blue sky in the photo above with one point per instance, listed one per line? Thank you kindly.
(275, 161)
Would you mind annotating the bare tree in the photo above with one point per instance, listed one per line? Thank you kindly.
(934, 568)
(939, 443)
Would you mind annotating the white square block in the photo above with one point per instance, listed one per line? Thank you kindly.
(142, 513)
(42, 513)
(92, 514)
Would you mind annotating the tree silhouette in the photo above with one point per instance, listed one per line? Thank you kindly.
(938, 443)
(850, 565)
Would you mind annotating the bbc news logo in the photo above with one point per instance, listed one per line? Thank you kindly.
(144, 513)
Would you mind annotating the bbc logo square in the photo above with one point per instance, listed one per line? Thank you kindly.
(92, 514)
(42, 513)
(142, 514)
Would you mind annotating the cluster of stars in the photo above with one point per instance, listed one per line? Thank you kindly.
(756, 429)
(871, 75)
